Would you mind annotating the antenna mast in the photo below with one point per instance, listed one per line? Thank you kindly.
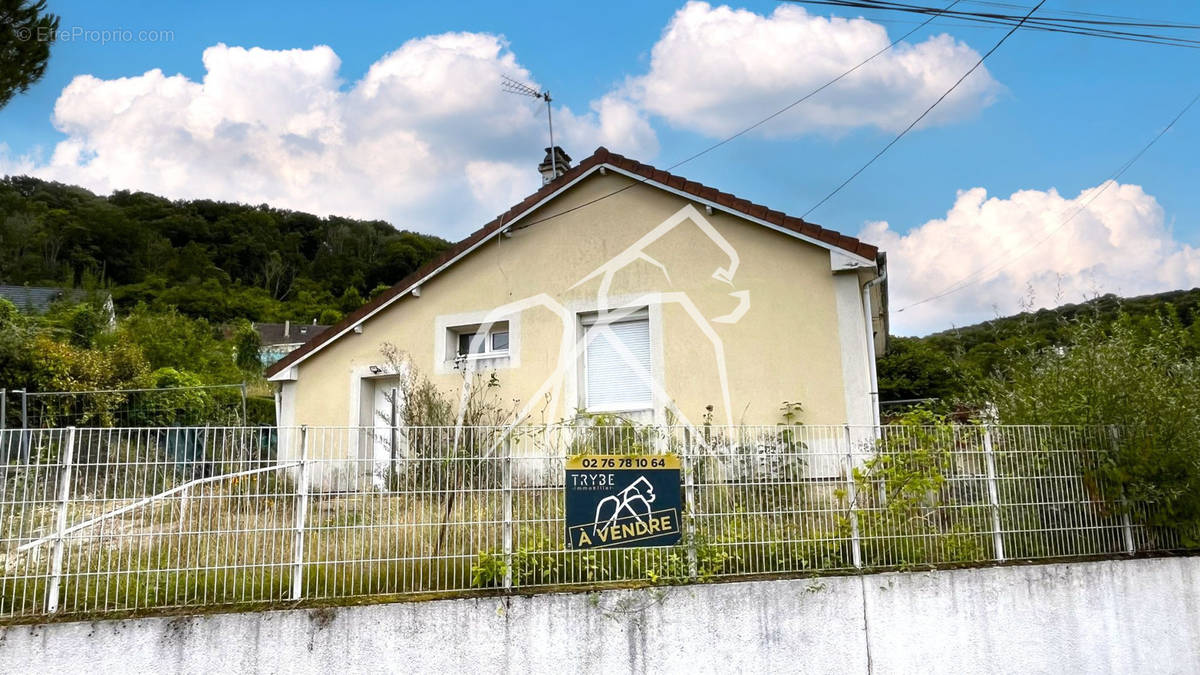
(521, 89)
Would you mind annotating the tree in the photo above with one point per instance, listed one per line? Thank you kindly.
(1135, 375)
(206, 259)
(248, 345)
(174, 340)
(26, 32)
(913, 368)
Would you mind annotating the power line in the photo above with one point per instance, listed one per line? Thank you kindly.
(973, 278)
(883, 16)
(1099, 20)
(1103, 28)
(922, 115)
(760, 122)
(1099, 15)
(1014, 5)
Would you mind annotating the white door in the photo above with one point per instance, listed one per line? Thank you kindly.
(388, 442)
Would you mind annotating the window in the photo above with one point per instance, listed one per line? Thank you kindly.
(469, 343)
(478, 341)
(617, 365)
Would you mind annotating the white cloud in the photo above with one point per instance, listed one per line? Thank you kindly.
(617, 123)
(1118, 243)
(426, 139)
(717, 69)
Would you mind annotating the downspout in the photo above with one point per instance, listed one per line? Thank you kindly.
(866, 293)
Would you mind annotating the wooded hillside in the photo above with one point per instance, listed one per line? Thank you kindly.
(213, 260)
(945, 364)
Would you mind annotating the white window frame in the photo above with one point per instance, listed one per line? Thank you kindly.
(473, 331)
(586, 321)
(448, 328)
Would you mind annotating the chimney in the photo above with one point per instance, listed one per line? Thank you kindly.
(287, 328)
(554, 165)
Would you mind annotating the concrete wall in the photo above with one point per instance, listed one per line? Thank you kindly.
(787, 346)
(1097, 617)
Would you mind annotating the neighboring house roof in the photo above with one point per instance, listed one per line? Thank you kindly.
(271, 334)
(601, 158)
(39, 298)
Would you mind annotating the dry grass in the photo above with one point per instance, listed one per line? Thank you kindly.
(234, 542)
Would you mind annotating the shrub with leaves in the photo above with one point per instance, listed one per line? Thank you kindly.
(907, 514)
(1140, 375)
(488, 571)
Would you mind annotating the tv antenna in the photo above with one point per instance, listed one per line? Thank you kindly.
(521, 89)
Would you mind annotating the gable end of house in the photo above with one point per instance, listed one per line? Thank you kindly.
(846, 252)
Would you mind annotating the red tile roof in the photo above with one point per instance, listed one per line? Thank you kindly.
(601, 156)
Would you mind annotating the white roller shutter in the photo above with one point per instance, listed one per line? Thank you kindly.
(616, 379)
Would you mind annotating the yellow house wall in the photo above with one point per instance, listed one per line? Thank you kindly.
(784, 348)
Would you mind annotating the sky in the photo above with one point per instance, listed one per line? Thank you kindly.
(394, 111)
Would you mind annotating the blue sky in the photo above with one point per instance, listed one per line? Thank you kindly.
(1051, 112)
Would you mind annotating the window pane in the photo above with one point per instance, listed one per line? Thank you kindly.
(500, 341)
(618, 365)
(470, 343)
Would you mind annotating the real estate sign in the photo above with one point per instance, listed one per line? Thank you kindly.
(619, 501)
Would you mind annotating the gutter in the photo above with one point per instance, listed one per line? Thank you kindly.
(881, 266)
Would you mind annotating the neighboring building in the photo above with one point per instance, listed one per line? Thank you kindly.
(618, 287)
(280, 339)
(38, 299)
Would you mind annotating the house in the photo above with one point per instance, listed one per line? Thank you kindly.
(280, 339)
(38, 299)
(618, 288)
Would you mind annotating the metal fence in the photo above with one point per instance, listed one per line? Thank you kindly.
(220, 404)
(104, 521)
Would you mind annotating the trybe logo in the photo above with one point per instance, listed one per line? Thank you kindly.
(638, 492)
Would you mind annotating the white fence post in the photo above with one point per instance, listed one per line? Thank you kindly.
(25, 437)
(1126, 522)
(689, 490)
(989, 458)
(301, 513)
(64, 496)
(394, 439)
(506, 470)
(183, 509)
(852, 497)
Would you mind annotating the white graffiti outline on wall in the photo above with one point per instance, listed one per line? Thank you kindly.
(550, 393)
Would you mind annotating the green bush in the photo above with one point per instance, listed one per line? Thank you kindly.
(907, 511)
(260, 411)
(1143, 378)
(173, 340)
(488, 571)
(182, 403)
